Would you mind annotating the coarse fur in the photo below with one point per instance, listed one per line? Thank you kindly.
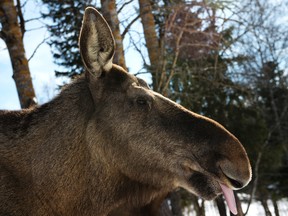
(109, 145)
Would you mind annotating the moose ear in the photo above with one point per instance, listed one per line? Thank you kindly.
(96, 43)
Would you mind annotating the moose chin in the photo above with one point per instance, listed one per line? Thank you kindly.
(109, 145)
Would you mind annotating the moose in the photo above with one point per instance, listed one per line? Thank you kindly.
(109, 145)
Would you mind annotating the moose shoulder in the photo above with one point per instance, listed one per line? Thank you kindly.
(107, 141)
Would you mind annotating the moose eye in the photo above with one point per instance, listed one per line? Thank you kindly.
(141, 101)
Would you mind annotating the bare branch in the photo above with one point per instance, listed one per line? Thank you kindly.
(37, 47)
(37, 28)
(256, 172)
(33, 19)
(129, 26)
(21, 18)
(141, 72)
(2, 35)
(138, 50)
(177, 51)
(121, 8)
(24, 4)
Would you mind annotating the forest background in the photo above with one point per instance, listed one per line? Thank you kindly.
(223, 59)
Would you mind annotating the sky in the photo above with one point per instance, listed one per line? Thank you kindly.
(41, 65)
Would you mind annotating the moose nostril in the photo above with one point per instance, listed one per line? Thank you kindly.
(235, 183)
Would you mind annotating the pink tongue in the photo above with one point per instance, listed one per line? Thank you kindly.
(230, 199)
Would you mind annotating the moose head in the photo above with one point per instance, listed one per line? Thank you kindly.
(149, 138)
(109, 145)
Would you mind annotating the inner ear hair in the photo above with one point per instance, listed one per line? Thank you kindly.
(96, 43)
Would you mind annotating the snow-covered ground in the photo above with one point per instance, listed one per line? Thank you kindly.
(256, 209)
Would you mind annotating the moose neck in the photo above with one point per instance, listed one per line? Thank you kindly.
(64, 171)
(107, 184)
(64, 163)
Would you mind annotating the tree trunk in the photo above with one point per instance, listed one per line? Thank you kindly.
(239, 206)
(109, 12)
(276, 209)
(265, 206)
(165, 210)
(200, 209)
(11, 34)
(221, 206)
(175, 199)
(151, 39)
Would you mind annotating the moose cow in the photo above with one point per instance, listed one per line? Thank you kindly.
(109, 145)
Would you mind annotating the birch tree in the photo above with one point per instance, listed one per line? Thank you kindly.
(109, 10)
(151, 39)
(12, 34)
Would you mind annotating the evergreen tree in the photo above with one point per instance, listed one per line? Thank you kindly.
(272, 97)
(66, 17)
(198, 73)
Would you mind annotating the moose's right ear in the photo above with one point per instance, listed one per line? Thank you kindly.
(96, 43)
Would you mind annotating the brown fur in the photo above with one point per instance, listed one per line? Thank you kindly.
(109, 145)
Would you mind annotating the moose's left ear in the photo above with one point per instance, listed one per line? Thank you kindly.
(96, 43)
